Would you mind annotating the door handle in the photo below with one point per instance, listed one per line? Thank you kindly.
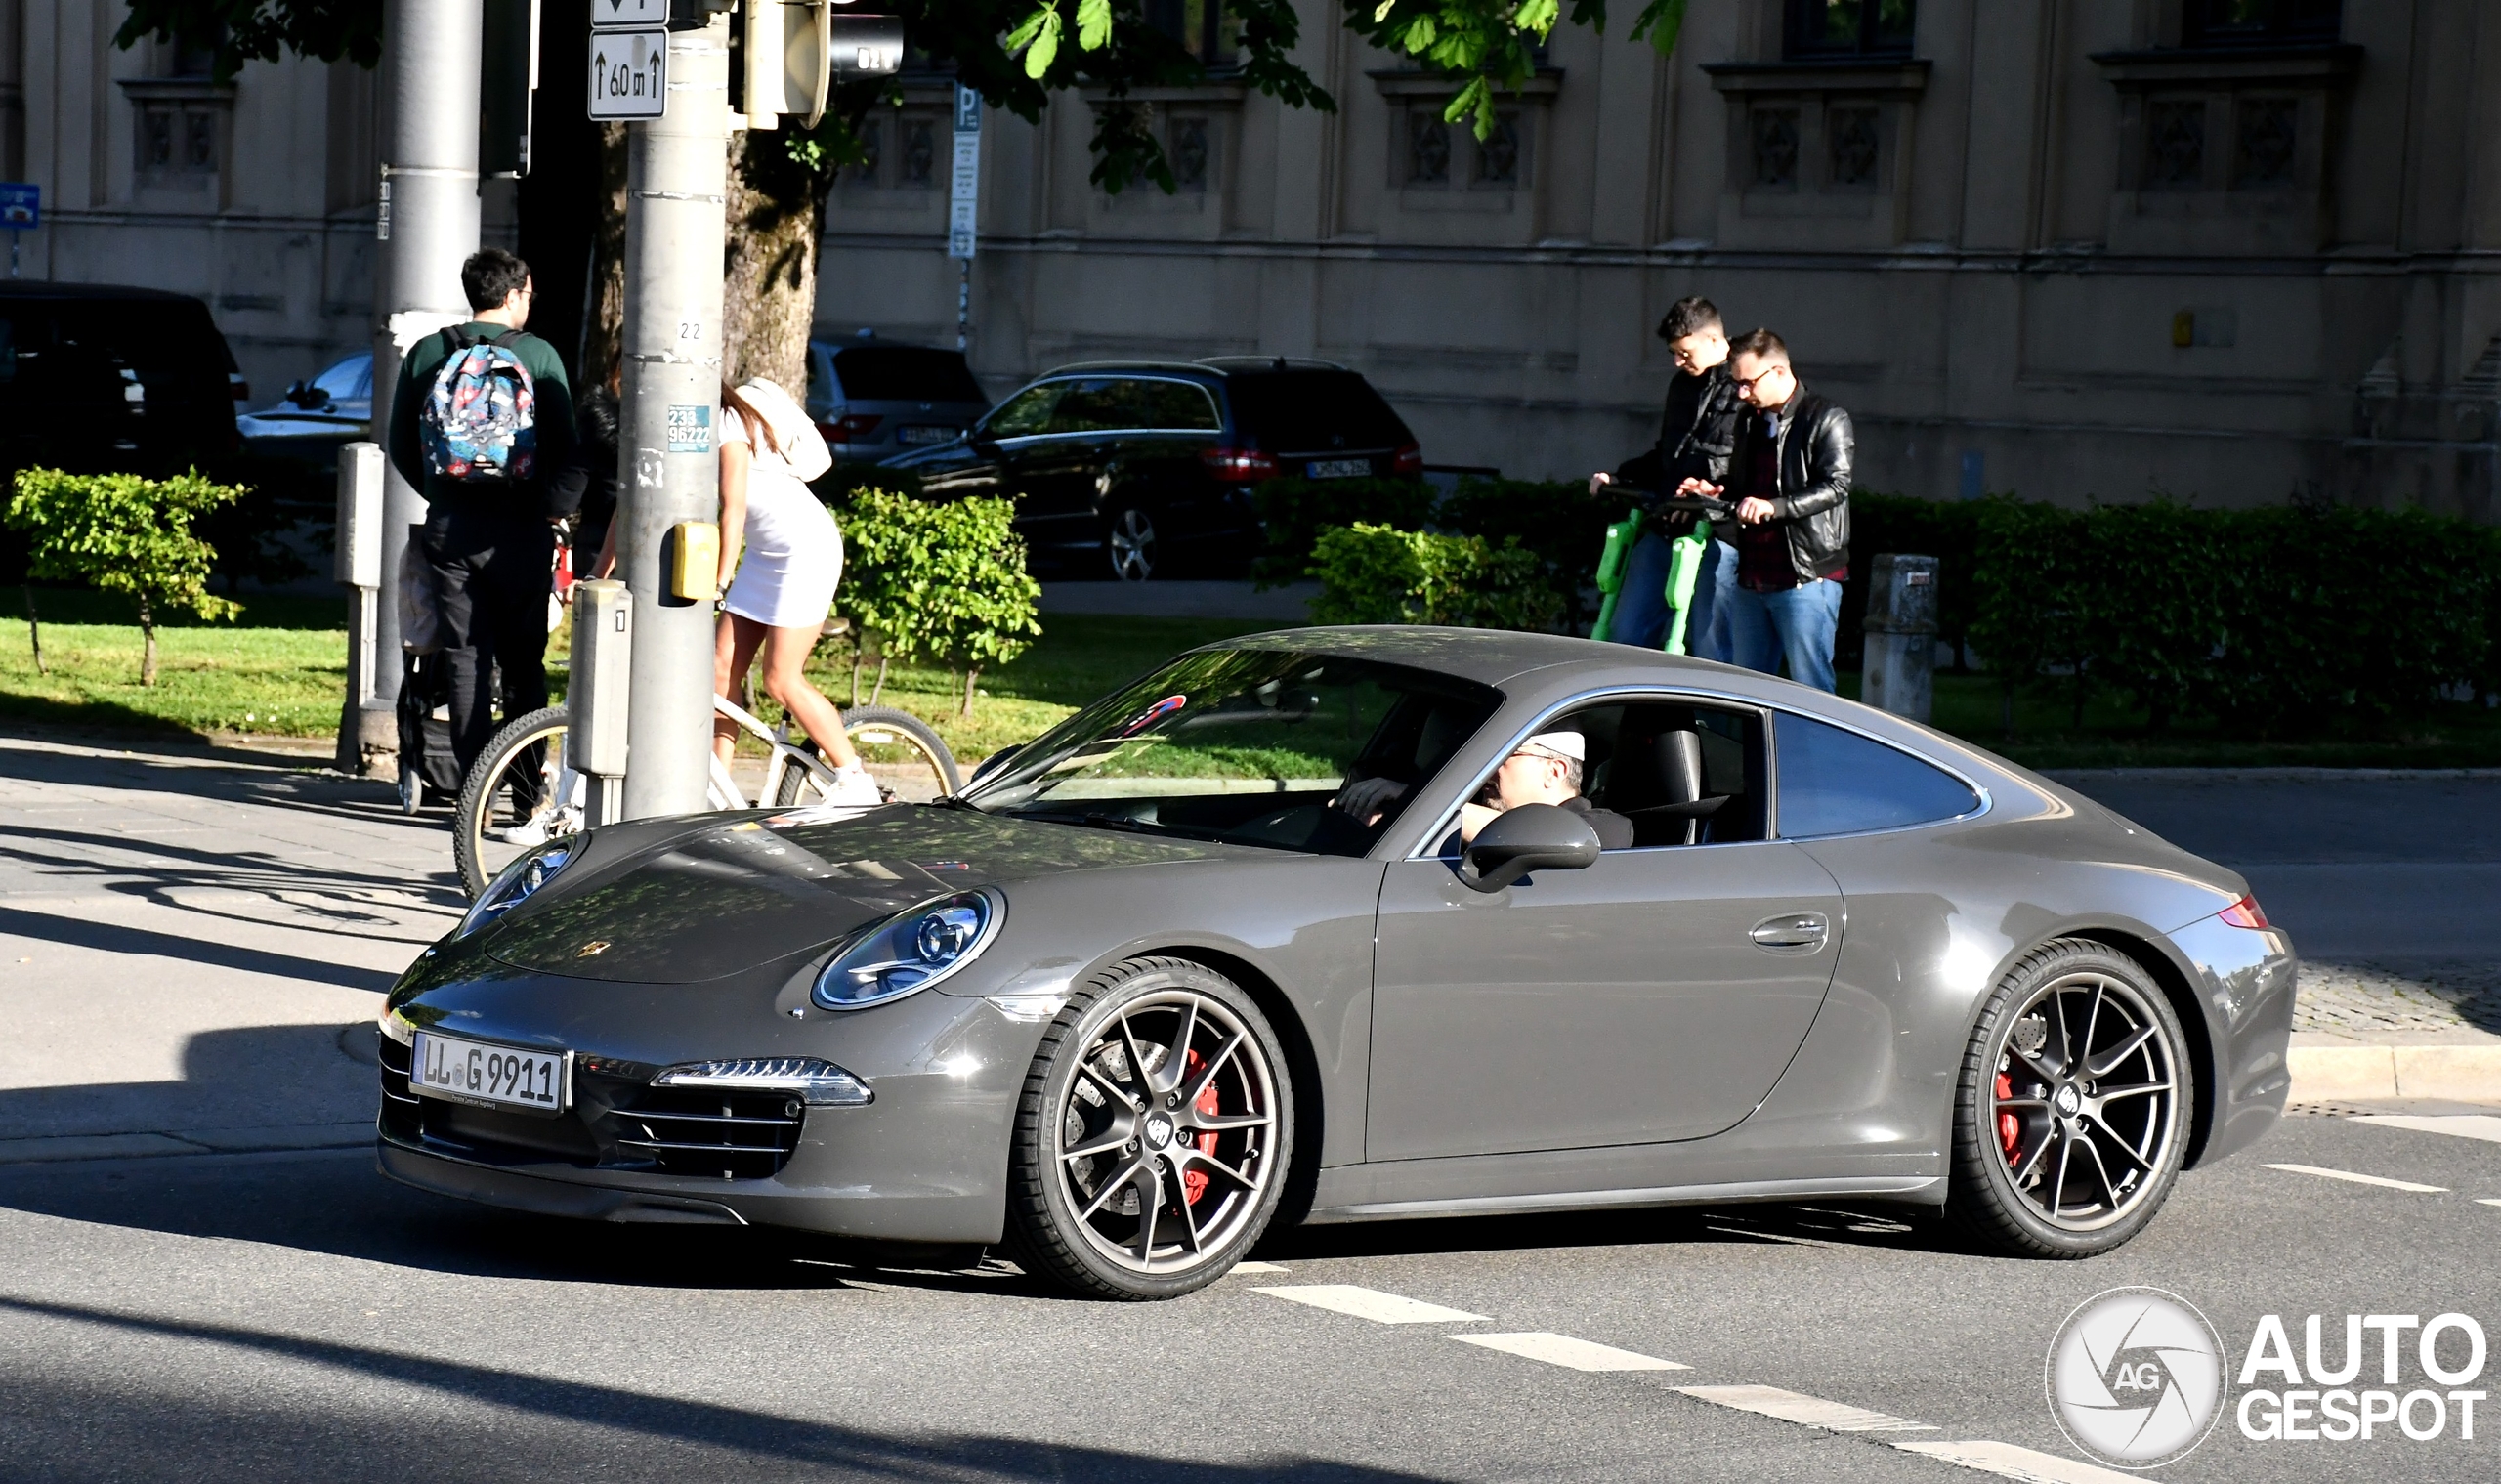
(1791, 932)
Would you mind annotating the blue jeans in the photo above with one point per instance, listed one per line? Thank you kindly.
(1641, 604)
(1797, 625)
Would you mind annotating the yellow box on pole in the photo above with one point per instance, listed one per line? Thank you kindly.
(695, 561)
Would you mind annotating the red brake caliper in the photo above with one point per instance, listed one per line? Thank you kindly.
(1193, 1182)
(2009, 1129)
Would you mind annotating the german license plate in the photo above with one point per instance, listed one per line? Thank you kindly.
(1338, 468)
(923, 434)
(464, 1070)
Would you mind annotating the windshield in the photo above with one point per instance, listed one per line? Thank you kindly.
(1247, 746)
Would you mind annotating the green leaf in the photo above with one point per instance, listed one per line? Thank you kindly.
(1027, 28)
(1046, 47)
(1093, 23)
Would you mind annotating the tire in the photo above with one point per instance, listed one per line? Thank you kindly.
(1082, 1219)
(891, 736)
(1129, 544)
(477, 855)
(2066, 1152)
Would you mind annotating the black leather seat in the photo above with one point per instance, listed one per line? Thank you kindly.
(1657, 781)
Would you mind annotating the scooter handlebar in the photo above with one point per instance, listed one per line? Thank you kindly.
(1665, 504)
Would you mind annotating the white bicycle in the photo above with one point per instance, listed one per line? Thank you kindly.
(522, 792)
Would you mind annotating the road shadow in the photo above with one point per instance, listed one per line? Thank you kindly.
(270, 1079)
(502, 1423)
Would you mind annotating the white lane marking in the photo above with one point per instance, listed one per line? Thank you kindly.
(2486, 1200)
(2009, 1462)
(2465, 1125)
(1254, 1268)
(1369, 1303)
(1564, 1351)
(1810, 1411)
(2347, 1174)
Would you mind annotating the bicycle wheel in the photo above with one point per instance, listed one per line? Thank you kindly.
(909, 761)
(518, 794)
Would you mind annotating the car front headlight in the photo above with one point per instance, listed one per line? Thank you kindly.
(518, 883)
(912, 950)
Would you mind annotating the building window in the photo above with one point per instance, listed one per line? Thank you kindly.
(2259, 23)
(1848, 28)
(919, 160)
(178, 140)
(1427, 147)
(2264, 132)
(1185, 147)
(2175, 143)
(1849, 132)
(1498, 154)
(1775, 140)
(1203, 27)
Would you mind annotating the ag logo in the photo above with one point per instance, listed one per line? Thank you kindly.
(2136, 1377)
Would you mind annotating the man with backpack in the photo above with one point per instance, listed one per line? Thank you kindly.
(480, 422)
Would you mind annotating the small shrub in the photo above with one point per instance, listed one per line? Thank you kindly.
(1560, 521)
(1292, 511)
(939, 581)
(122, 533)
(1379, 574)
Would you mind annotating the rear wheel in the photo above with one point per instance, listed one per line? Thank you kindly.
(1154, 1134)
(911, 760)
(2071, 1121)
(509, 802)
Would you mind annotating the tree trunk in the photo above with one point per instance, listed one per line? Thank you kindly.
(879, 689)
(604, 324)
(972, 678)
(146, 644)
(35, 629)
(769, 272)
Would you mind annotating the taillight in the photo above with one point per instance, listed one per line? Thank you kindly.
(857, 425)
(1239, 466)
(2245, 912)
(241, 388)
(1408, 459)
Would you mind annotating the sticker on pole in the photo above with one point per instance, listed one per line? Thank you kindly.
(689, 428)
(628, 74)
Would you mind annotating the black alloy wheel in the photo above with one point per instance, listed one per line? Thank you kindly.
(1129, 544)
(2072, 1119)
(1154, 1134)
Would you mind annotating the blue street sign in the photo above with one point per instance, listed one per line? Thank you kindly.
(21, 206)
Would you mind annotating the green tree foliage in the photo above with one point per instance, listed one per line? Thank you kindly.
(124, 535)
(1379, 575)
(938, 582)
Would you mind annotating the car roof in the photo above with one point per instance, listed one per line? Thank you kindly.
(1491, 655)
(21, 289)
(1219, 366)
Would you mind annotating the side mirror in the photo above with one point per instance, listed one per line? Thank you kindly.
(1530, 837)
(986, 447)
(295, 393)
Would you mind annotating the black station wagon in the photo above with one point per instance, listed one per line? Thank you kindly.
(1119, 468)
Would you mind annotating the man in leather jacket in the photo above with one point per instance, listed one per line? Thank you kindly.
(1695, 432)
(1790, 475)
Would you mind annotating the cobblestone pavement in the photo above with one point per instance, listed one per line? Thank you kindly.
(2400, 994)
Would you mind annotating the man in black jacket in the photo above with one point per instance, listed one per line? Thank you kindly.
(1790, 474)
(1695, 434)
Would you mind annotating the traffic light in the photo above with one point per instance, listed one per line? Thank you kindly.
(795, 50)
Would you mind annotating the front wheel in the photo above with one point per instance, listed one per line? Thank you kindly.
(2071, 1121)
(1154, 1134)
(1129, 544)
(519, 793)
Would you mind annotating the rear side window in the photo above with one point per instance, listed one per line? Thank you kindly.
(1309, 411)
(1179, 405)
(904, 374)
(1833, 781)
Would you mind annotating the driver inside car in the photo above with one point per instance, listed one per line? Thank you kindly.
(1546, 769)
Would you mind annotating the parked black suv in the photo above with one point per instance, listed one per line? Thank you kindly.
(97, 377)
(1122, 465)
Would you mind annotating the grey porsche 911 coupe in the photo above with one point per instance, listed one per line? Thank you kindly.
(1255, 940)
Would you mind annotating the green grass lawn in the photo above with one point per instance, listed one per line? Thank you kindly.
(279, 669)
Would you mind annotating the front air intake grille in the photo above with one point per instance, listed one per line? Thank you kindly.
(739, 1135)
(399, 1108)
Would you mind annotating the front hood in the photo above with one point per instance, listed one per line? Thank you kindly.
(756, 888)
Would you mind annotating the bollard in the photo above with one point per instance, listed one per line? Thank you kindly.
(1901, 670)
(358, 564)
(594, 694)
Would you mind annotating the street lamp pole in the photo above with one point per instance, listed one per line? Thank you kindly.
(425, 226)
(675, 221)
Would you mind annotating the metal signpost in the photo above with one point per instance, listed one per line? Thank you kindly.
(963, 207)
(21, 210)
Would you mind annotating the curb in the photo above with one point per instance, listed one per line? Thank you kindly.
(2351, 1074)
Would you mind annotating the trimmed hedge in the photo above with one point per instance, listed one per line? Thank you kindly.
(1377, 575)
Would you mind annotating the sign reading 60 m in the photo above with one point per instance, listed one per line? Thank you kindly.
(628, 74)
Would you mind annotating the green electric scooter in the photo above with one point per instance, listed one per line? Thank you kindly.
(1684, 562)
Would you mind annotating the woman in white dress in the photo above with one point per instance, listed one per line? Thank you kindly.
(785, 585)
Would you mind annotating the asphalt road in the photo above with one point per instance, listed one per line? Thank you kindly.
(296, 1316)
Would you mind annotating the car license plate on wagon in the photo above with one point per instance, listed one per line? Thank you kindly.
(923, 434)
(464, 1070)
(1338, 468)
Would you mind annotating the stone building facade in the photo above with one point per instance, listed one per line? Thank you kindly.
(2242, 250)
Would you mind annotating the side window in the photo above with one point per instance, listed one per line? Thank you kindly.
(1110, 404)
(1026, 414)
(1833, 781)
(1180, 406)
(1685, 774)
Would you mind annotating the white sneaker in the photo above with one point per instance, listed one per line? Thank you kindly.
(526, 833)
(853, 786)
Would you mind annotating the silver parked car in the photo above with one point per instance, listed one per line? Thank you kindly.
(872, 398)
(315, 417)
(1212, 955)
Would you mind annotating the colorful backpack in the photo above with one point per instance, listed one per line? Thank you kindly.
(480, 421)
